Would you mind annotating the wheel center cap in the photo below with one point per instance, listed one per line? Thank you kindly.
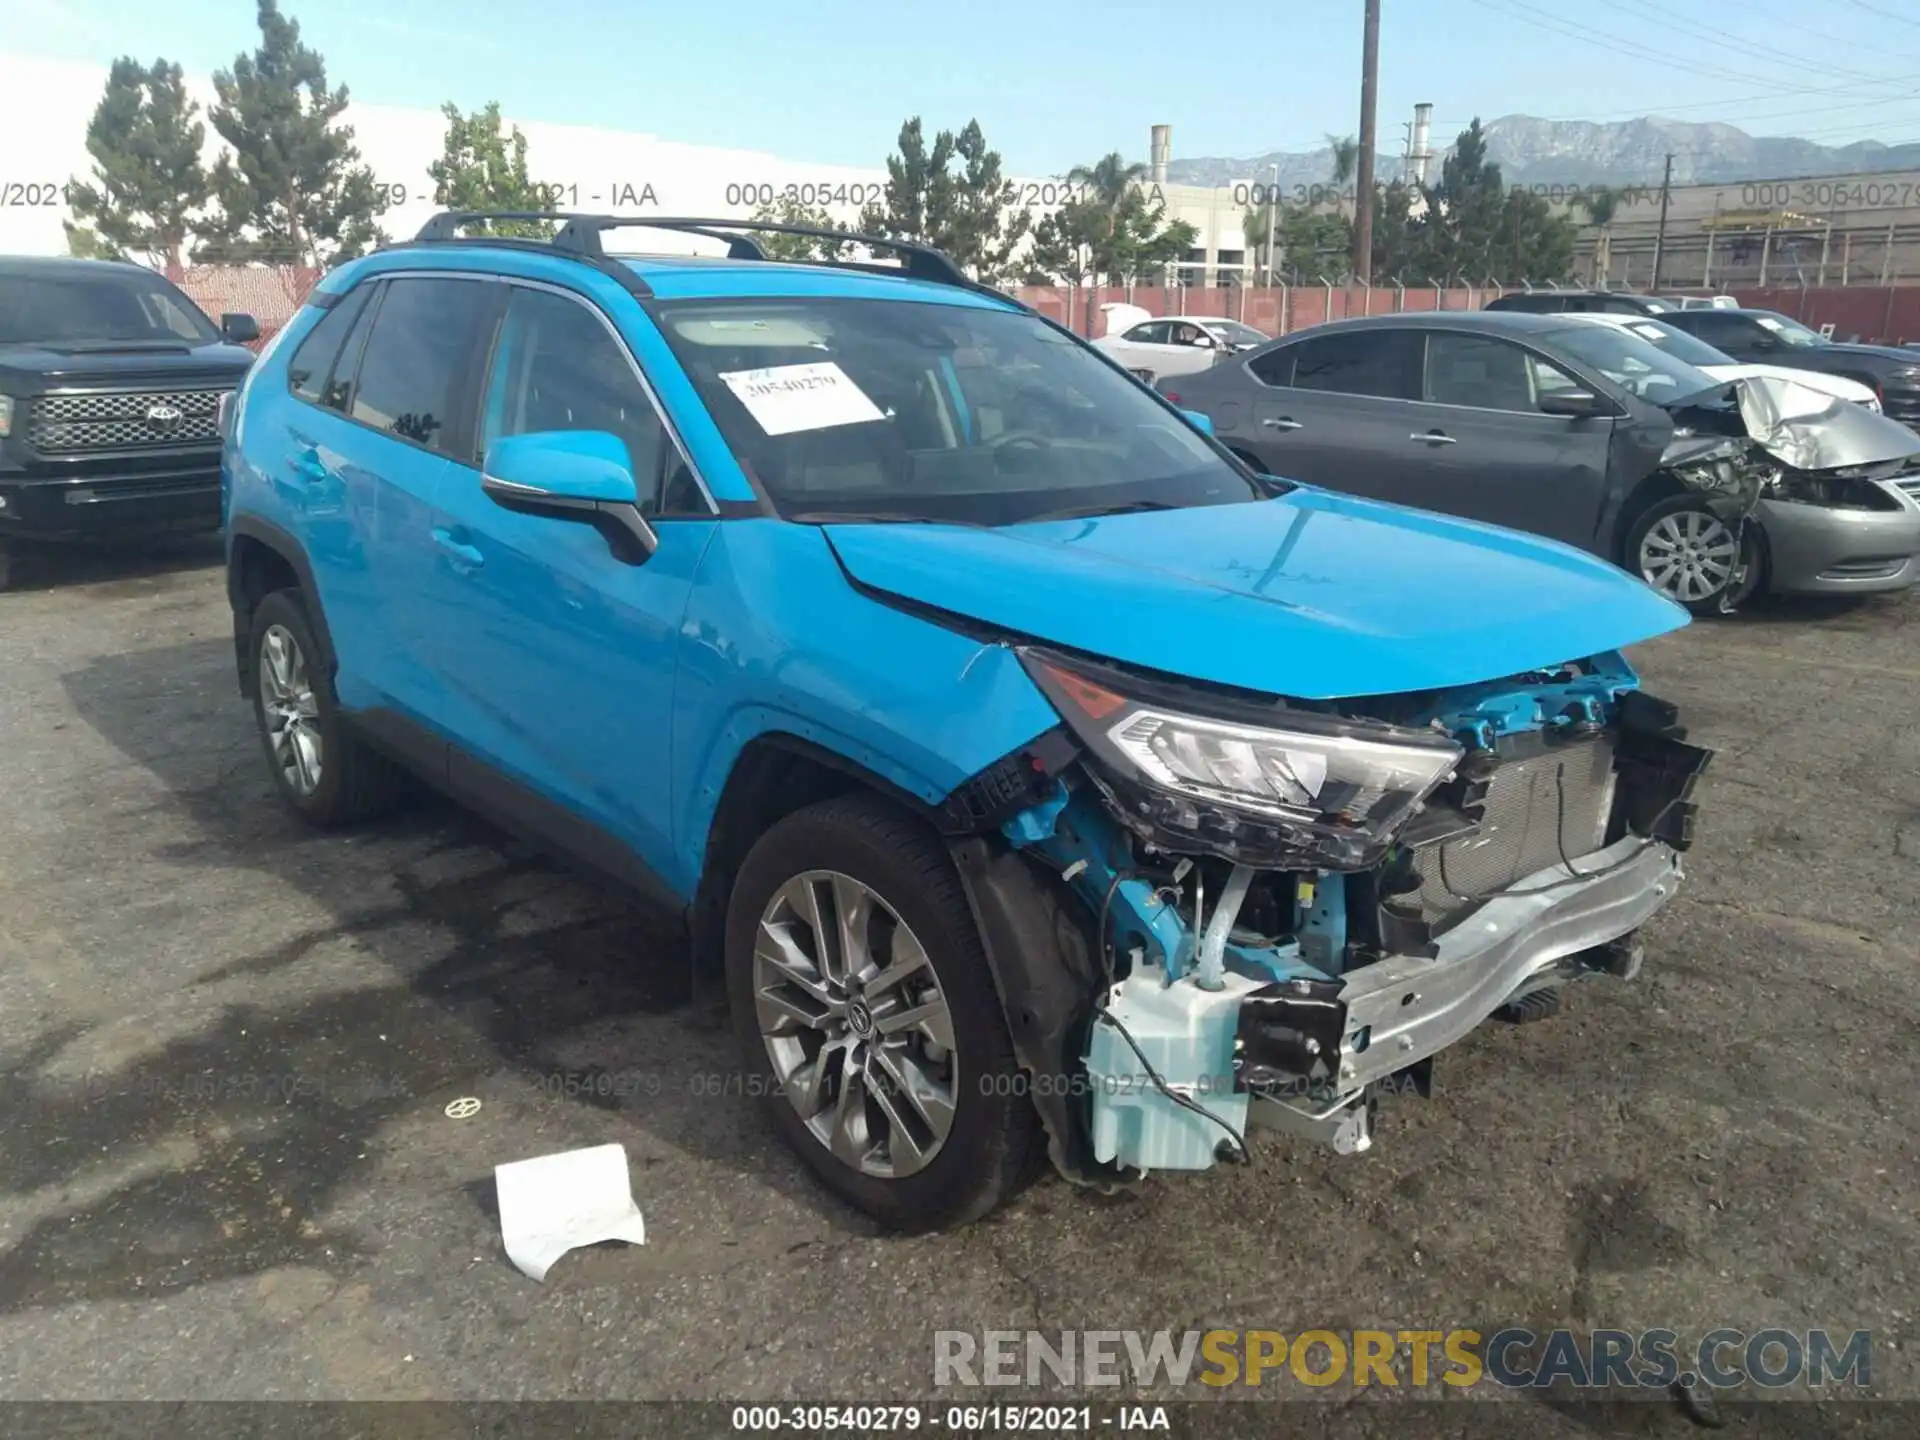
(859, 1018)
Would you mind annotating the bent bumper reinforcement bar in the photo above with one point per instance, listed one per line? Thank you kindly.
(1403, 1009)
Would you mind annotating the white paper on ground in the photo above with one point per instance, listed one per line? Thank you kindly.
(556, 1203)
(786, 398)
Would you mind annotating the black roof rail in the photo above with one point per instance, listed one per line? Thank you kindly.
(581, 235)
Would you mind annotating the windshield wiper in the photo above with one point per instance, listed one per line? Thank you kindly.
(874, 517)
(1083, 512)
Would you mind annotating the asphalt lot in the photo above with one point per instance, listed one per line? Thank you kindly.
(227, 1045)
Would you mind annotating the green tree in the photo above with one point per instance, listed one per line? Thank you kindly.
(147, 177)
(968, 212)
(1308, 244)
(1469, 225)
(1601, 204)
(789, 210)
(482, 169)
(293, 190)
(1114, 229)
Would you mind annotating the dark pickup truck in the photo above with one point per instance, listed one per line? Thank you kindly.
(110, 397)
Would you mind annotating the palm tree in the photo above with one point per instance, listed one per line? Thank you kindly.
(1109, 183)
(1345, 153)
(1601, 204)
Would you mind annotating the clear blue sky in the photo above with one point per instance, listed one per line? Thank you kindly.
(1055, 82)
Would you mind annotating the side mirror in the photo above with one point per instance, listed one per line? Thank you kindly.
(581, 475)
(240, 329)
(1574, 404)
(1199, 422)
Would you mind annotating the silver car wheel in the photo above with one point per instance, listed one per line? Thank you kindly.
(855, 1023)
(290, 712)
(1689, 555)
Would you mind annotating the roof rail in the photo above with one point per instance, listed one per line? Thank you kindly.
(581, 235)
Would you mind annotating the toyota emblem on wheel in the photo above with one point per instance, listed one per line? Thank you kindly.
(163, 418)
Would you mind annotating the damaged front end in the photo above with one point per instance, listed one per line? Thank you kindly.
(1215, 911)
(1765, 438)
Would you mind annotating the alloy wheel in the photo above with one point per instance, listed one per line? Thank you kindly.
(291, 714)
(1689, 556)
(855, 1023)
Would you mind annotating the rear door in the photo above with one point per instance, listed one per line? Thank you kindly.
(1144, 347)
(1332, 409)
(1479, 446)
(408, 398)
(1736, 335)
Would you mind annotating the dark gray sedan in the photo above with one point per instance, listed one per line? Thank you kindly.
(1587, 434)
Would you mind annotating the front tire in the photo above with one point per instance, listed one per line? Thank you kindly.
(324, 773)
(1690, 555)
(868, 1019)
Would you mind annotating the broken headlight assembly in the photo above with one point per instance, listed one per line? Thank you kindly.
(1832, 489)
(1258, 783)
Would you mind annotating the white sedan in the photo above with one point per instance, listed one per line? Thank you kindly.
(1690, 350)
(1176, 345)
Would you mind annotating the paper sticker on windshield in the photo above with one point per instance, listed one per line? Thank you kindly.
(788, 398)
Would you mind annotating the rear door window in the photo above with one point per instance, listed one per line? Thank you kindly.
(1275, 367)
(1383, 363)
(414, 380)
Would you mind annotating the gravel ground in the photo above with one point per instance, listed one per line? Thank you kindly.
(227, 1045)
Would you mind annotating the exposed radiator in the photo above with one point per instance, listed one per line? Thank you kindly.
(1537, 808)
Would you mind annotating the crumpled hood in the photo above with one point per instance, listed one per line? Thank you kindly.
(1311, 595)
(1808, 429)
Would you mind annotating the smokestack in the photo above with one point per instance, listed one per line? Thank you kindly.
(1159, 152)
(1420, 154)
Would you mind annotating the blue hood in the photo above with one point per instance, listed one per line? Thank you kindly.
(1312, 595)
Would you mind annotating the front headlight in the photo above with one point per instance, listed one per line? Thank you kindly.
(6, 416)
(1267, 785)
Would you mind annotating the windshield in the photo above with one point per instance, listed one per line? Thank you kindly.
(1234, 333)
(884, 409)
(98, 308)
(1792, 332)
(1630, 362)
(1687, 349)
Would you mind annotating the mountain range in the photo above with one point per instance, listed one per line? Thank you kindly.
(1584, 152)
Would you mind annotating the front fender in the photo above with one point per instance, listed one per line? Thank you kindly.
(777, 641)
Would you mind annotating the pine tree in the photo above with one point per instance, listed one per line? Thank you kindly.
(971, 214)
(482, 169)
(147, 177)
(790, 210)
(293, 190)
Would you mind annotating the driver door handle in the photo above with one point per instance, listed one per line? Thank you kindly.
(1285, 422)
(1432, 437)
(465, 557)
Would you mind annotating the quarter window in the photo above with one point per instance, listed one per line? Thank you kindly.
(412, 380)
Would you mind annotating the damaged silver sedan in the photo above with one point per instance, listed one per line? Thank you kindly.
(1710, 490)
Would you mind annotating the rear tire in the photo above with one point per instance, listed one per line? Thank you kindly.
(1683, 550)
(921, 1123)
(323, 772)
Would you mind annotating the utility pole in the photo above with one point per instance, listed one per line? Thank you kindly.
(1660, 235)
(1363, 165)
(1273, 207)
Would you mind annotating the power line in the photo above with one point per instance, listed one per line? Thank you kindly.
(1621, 45)
(1772, 55)
(1753, 12)
(1883, 14)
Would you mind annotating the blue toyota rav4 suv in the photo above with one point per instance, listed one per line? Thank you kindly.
(1045, 783)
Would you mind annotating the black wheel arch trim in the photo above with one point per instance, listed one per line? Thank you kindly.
(283, 544)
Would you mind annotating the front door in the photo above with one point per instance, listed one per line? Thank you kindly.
(1478, 445)
(557, 655)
